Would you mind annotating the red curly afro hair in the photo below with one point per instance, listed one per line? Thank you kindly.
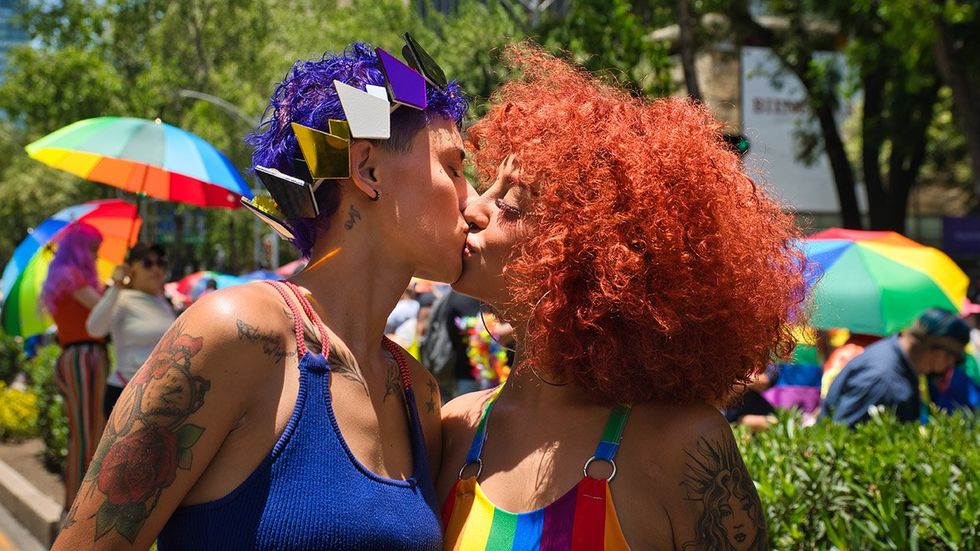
(655, 268)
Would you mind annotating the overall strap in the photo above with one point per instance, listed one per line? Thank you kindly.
(611, 437)
(480, 437)
(613, 433)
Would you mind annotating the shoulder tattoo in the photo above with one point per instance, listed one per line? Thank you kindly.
(730, 513)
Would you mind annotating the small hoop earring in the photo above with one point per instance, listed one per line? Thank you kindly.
(377, 195)
(494, 339)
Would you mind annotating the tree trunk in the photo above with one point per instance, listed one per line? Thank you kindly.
(840, 166)
(798, 62)
(872, 139)
(688, 48)
(966, 97)
(908, 152)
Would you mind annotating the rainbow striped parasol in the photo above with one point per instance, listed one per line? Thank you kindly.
(27, 269)
(145, 157)
(878, 282)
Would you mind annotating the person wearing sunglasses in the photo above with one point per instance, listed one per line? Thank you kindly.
(135, 313)
(887, 373)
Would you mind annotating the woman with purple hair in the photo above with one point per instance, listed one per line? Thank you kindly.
(70, 291)
(278, 415)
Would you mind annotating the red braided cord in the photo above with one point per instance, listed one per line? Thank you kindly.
(399, 356)
(297, 319)
(311, 313)
(392, 348)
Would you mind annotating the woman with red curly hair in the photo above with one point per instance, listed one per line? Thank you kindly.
(646, 276)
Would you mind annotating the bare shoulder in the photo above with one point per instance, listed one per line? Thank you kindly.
(237, 322)
(680, 423)
(426, 389)
(466, 409)
(693, 464)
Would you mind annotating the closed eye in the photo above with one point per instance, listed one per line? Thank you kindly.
(509, 210)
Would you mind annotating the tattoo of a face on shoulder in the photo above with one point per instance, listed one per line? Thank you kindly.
(353, 215)
(147, 439)
(272, 344)
(730, 516)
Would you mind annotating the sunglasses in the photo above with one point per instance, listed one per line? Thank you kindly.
(148, 262)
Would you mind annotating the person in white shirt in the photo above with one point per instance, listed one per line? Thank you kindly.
(135, 312)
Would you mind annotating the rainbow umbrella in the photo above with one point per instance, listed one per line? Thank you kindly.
(260, 275)
(878, 282)
(192, 285)
(186, 283)
(144, 157)
(27, 269)
(223, 280)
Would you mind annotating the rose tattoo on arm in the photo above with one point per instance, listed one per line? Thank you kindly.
(148, 439)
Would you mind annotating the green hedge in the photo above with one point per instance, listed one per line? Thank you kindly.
(11, 357)
(885, 485)
(52, 423)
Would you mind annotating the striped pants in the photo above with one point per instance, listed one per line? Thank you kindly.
(81, 373)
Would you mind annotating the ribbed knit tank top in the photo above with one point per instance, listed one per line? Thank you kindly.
(310, 492)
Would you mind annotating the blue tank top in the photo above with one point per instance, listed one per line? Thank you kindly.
(310, 492)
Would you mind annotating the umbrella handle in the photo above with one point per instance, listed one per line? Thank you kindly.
(139, 204)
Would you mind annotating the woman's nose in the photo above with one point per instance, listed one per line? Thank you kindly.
(476, 214)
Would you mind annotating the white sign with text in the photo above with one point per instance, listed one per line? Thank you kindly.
(774, 111)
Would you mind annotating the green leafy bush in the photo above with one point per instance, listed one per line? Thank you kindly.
(11, 357)
(885, 485)
(52, 423)
(18, 413)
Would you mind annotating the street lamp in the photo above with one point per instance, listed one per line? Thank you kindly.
(249, 123)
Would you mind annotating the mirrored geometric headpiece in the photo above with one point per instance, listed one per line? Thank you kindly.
(326, 155)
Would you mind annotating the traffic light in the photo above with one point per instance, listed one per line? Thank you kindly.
(738, 143)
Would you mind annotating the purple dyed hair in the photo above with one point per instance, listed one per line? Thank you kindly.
(307, 96)
(73, 266)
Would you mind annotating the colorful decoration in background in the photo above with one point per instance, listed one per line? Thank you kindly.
(24, 275)
(291, 268)
(798, 384)
(193, 285)
(877, 282)
(144, 157)
(488, 359)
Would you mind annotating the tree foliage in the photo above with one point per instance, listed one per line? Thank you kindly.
(135, 57)
(889, 45)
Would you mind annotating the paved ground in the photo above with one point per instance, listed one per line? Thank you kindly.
(13, 536)
(23, 458)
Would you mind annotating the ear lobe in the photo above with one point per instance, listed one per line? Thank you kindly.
(364, 159)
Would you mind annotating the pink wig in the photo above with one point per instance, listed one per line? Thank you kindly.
(73, 266)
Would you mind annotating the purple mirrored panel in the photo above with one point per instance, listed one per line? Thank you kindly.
(405, 85)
